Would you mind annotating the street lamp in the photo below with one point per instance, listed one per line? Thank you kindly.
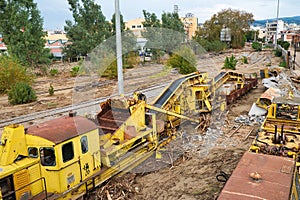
(277, 24)
(119, 48)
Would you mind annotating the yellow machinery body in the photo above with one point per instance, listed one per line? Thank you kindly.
(67, 157)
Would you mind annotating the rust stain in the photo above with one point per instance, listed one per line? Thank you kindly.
(62, 129)
(276, 175)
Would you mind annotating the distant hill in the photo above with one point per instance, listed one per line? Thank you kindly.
(289, 20)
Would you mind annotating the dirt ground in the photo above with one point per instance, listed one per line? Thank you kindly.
(202, 157)
(138, 78)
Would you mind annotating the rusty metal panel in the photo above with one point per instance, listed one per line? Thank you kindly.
(276, 178)
(62, 129)
(271, 93)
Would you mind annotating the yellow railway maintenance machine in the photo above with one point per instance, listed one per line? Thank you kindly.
(271, 169)
(65, 158)
(62, 158)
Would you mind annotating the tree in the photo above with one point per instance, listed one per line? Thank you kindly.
(113, 24)
(284, 44)
(22, 29)
(12, 72)
(251, 35)
(172, 21)
(166, 35)
(88, 31)
(153, 34)
(128, 38)
(237, 21)
(172, 39)
(257, 46)
(184, 60)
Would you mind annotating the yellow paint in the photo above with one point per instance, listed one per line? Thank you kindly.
(12, 144)
(21, 183)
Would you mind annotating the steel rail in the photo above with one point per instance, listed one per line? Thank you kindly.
(149, 92)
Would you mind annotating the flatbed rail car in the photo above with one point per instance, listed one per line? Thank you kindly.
(67, 157)
(262, 176)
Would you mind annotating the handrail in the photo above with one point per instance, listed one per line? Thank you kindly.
(15, 191)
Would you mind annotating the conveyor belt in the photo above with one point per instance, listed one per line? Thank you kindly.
(170, 90)
(174, 85)
(218, 77)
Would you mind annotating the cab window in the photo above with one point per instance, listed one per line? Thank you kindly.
(67, 152)
(84, 144)
(47, 155)
(33, 152)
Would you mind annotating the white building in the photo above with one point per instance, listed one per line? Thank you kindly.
(261, 32)
(272, 28)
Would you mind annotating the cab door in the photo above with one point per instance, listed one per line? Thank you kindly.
(86, 159)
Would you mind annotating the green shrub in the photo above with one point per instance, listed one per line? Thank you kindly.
(51, 90)
(75, 70)
(212, 46)
(278, 53)
(257, 46)
(282, 64)
(230, 63)
(184, 60)
(111, 71)
(53, 72)
(21, 93)
(11, 72)
(284, 44)
(245, 60)
(130, 60)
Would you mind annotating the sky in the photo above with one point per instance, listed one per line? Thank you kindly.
(56, 12)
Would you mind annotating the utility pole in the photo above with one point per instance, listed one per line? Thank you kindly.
(277, 24)
(119, 48)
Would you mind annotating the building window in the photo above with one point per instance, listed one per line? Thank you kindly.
(47, 155)
(139, 26)
(84, 144)
(67, 152)
(33, 152)
(133, 26)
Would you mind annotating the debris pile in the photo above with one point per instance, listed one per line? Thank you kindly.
(120, 188)
(252, 120)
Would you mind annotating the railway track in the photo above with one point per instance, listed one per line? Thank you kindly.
(127, 76)
(149, 92)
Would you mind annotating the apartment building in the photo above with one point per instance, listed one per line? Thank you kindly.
(190, 23)
(273, 28)
(136, 26)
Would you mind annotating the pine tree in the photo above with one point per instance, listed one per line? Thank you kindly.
(174, 38)
(22, 29)
(165, 35)
(113, 24)
(90, 28)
